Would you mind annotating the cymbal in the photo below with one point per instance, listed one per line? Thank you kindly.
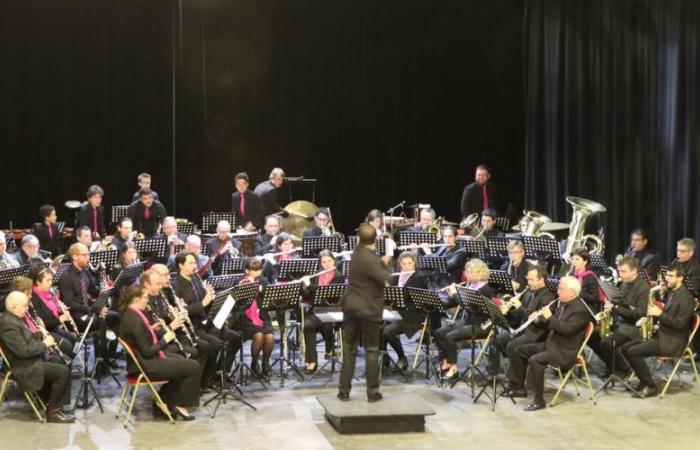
(300, 219)
(449, 222)
(555, 226)
(72, 204)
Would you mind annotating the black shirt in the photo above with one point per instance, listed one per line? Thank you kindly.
(84, 218)
(71, 291)
(253, 208)
(473, 198)
(267, 192)
(147, 226)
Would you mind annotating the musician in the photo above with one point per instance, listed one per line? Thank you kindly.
(456, 256)
(264, 243)
(189, 287)
(283, 250)
(685, 254)
(45, 305)
(193, 244)
(47, 230)
(376, 218)
(362, 313)
(267, 192)
(626, 309)
(646, 260)
(29, 251)
(91, 213)
(590, 289)
(144, 182)
(479, 195)
(182, 390)
(128, 256)
(312, 324)
(322, 227)
(84, 236)
(447, 337)
(7, 261)
(146, 213)
(672, 335)
(124, 232)
(516, 266)
(488, 224)
(426, 218)
(255, 324)
(171, 234)
(223, 247)
(24, 351)
(246, 204)
(411, 318)
(566, 326)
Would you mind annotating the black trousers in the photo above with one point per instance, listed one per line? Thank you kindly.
(65, 340)
(393, 331)
(183, 376)
(56, 389)
(354, 329)
(313, 326)
(511, 348)
(635, 352)
(604, 350)
(216, 338)
(449, 336)
(527, 368)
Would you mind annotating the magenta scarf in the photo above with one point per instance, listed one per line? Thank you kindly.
(325, 278)
(580, 275)
(253, 311)
(154, 338)
(48, 300)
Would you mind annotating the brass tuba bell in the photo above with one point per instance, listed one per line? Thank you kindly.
(470, 225)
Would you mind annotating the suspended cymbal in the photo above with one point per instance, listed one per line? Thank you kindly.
(555, 226)
(300, 218)
(72, 204)
(449, 222)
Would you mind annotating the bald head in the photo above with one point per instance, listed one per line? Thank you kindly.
(17, 303)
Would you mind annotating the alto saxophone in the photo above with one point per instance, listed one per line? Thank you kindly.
(646, 324)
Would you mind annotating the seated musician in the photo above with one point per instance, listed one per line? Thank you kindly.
(44, 304)
(376, 218)
(29, 252)
(426, 218)
(673, 322)
(456, 256)
(146, 213)
(128, 256)
(488, 223)
(267, 192)
(198, 297)
(626, 310)
(567, 326)
(246, 204)
(538, 296)
(144, 182)
(223, 247)
(91, 213)
(447, 337)
(312, 324)
(591, 293)
(171, 234)
(283, 250)
(25, 352)
(84, 236)
(182, 390)
(7, 260)
(322, 227)
(193, 244)
(124, 232)
(411, 319)
(264, 243)
(516, 266)
(255, 324)
(47, 230)
(685, 256)
(639, 250)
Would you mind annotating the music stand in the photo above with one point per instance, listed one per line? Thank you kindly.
(541, 248)
(127, 276)
(473, 247)
(311, 246)
(436, 263)
(186, 228)
(233, 265)
(211, 219)
(179, 248)
(498, 246)
(598, 261)
(428, 302)
(552, 284)
(344, 267)
(151, 248)
(352, 242)
(415, 237)
(503, 224)
(108, 257)
(61, 270)
(282, 298)
(502, 279)
(328, 297)
(292, 268)
(119, 212)
(222, 282)
(7, 275)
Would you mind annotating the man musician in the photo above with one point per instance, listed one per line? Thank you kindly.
(144, 182)
(246, 204)
(267, 192)
(639, 250)
(479, 195)
(193, 244)
(672, 335)
(146, 213)
(685, 256)
(91, 213)
(223, 247)
(171, 234)
(265, 242)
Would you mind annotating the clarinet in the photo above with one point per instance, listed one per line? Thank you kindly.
(39, 324)
(167, 329)
(188, 322)
(64, 310)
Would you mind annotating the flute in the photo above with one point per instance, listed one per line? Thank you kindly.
(398, 274)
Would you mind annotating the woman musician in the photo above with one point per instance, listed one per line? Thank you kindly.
(128, 255)
(312, 324)
(183, 375)
(591, 293)
(283, 250)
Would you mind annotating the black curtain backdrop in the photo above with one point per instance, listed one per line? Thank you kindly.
(612, 98)
(380, 101)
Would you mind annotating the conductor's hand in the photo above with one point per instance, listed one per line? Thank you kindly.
(49, 341)
(169, 336)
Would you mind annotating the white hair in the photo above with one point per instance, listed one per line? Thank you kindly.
(30, 239)
(169, 219)
(275, 172)
(571, 283)
(194, 239)
(222, 224)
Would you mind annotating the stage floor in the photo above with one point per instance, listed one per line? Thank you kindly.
(291, 418)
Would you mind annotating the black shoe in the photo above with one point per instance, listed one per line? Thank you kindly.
(176, 413)
(402, 364)
(59, 417)
(534, 406)
(517, 393)
(159, 414)
(343, 397)
(639, 386)
(646, 391)
(375, 397)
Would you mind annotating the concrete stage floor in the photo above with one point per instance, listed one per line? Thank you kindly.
(291, 418)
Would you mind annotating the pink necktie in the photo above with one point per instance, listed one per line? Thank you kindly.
(50, 232)
(486, 197)
(242, 203)
(94, 221)
(147, 213)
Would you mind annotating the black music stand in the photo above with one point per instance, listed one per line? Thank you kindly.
(233, 265)
(108, 257)
(7, 275)
(224, 282)
(352, 242)
(428, 302)
(59, 273)
(329, 296)
(415, 237)
(344, 267)
(503, 224)
(282, 298)
(293, 268)
(503, 280)
(598, 261)
(151, 248)
(311, 246)
(474, 248)
(211, 219)
(186, 228)
(541, 248)
(223, 393)
(179, 248)
(498, 247)
(552, 284)
(435, 263)
(119, 212)
(127, 276)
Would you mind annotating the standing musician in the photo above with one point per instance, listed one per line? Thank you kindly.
(516, 266)
(47, 230)
(146, 213)
(447, 337)
(685, 254)
(456, 256)
(267, 192)
(567, 326)
(672, 335)
(312, 324)
(479, 195)
(91, 213)
(189, 287)
(144, 182)
(171, 234)
(124, 232)
(362, 313)
(193, 244)
(626, 310)
(182, 390)
(51, 312)
(538, 296)
(25, 351)
(264, 242)
(639, 250)
(591, 293)
(255, 324)
(411, 319)
(246, 204)
(223, 247)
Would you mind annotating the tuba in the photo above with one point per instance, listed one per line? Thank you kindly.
(469, 224)
(534, 224)
(582, 210)
(436, 228)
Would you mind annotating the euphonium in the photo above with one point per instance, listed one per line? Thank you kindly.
(469, 224)
(534, 224)
(582, 210)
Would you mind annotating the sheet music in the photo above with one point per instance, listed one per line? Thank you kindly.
(223, 313)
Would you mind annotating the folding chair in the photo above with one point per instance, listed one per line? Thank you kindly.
(135, 382)
(32, 397)
(687, 354)
(581, 362)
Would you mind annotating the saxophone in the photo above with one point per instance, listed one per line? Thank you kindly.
(605, 321)
(646, 324)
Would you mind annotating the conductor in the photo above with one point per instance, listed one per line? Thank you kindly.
(362, 313)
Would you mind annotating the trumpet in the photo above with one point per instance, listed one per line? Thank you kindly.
(39, 324)
(167, 329)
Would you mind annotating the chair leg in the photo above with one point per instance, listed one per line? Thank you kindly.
(670, 378)
(134, 392)
(695, 369)
(588, 381)
(3, 390)
(420, 345)
(31, 402)
(160, 403)
(484, 346)
(121, 400)
(561, 385)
